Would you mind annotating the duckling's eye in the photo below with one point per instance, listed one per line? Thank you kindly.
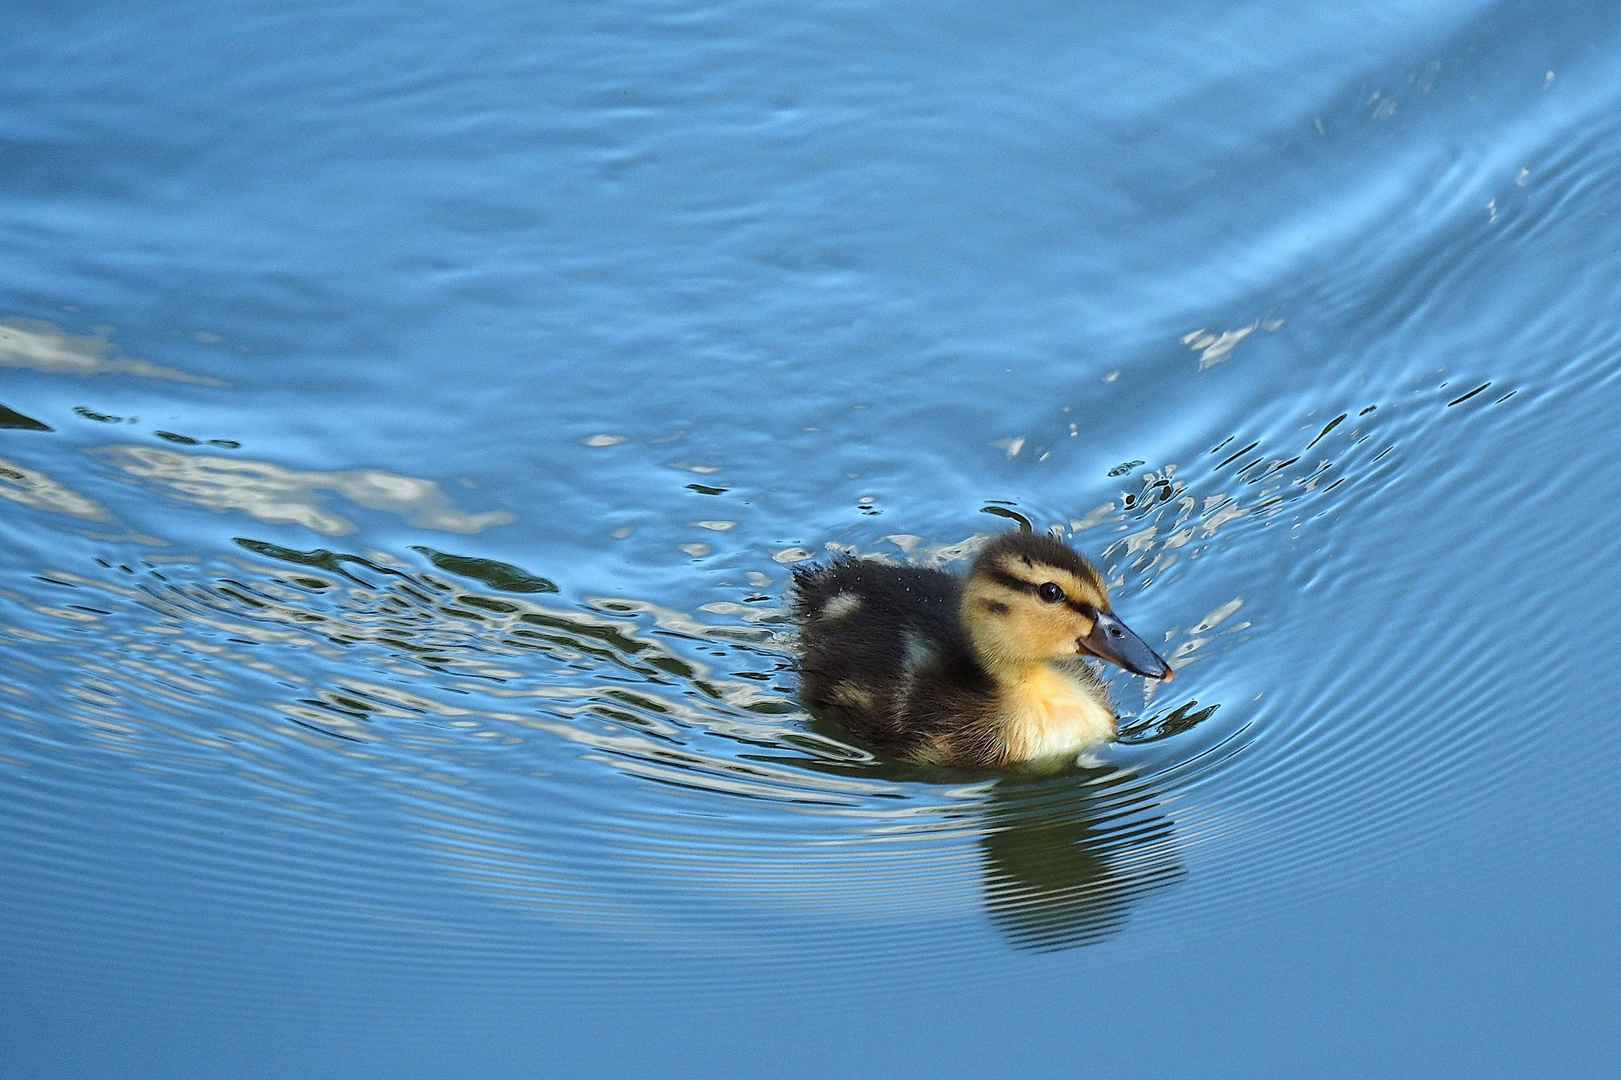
(1050, 592)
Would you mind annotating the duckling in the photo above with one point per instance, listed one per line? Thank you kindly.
(980, 671)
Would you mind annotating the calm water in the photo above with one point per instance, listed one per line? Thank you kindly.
(413, 413)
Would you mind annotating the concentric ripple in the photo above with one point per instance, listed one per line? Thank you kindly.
(395, 720)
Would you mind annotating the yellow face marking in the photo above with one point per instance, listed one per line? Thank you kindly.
(1011, 624)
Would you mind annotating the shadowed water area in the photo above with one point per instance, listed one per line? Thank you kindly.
(410, 417)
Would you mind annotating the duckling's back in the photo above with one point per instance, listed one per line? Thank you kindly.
(884, 653)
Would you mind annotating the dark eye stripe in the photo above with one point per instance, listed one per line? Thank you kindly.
(1013, 581)
(1002, 577)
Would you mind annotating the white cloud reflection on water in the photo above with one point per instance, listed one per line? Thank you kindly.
(278, 495)
(29, 343)
(35, 489)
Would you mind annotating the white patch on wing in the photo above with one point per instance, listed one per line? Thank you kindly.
(852, 696)
(840, 605)
(919, 656)
(919, 653)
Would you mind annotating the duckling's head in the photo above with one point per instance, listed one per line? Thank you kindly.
(1030, 598)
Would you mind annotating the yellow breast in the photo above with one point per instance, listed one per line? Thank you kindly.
(1047, 713)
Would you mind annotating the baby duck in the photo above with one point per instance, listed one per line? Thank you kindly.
(983, 670)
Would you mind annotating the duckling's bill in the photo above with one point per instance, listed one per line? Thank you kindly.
(1114, 641)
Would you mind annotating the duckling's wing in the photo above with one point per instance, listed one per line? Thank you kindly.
(870, 634)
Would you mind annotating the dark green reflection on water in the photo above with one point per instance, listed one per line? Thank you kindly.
(497, 575)
(1065, 857)
(11, 418)
(1065, 871)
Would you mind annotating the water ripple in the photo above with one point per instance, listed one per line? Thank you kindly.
(405, 709)
(1316, 377)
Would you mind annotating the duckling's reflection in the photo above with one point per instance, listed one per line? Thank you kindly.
(1064, 862)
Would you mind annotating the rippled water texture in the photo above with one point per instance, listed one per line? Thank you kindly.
(410, 416)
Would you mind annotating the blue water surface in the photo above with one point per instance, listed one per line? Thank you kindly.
(412, 414)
